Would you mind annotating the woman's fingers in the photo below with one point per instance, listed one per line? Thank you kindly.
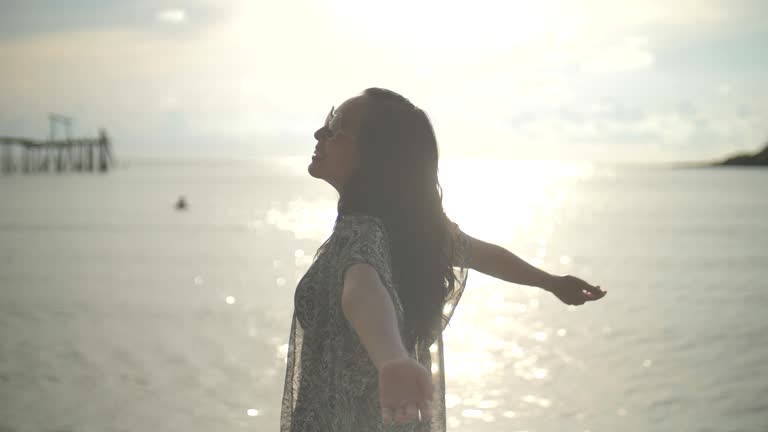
(592, 289)
(588, 292)
(410, 413)
(405, 389)
(595, 294)
(407, 413)
(592, 297)
(426, 410)
(387, 416)
(575, 291)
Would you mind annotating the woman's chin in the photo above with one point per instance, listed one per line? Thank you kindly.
(312, 169)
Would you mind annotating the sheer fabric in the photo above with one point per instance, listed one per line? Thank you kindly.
(331, 385)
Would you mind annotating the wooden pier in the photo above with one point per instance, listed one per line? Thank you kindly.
(67, 154)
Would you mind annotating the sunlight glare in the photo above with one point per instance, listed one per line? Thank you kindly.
(502, 199)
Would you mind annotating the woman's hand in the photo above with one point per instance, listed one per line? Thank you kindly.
(574, 291)
(405, 387)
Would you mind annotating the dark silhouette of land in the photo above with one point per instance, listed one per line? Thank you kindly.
(758, 159)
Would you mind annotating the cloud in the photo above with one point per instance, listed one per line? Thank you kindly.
(38, 18)
(632, 54)
(173, 16)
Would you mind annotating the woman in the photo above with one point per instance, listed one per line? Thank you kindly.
(369, 312)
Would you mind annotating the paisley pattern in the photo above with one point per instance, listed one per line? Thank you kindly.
(331, 385)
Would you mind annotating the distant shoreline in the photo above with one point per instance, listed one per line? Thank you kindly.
(756, 159)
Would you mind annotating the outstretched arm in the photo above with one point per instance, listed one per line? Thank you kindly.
(500, 263)
(371, 313)
(405, 386)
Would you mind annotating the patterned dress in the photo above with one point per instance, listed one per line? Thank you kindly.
(331, 385)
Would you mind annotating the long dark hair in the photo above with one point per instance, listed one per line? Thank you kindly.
(397, 182)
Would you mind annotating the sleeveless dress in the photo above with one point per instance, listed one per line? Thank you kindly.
(331, 385)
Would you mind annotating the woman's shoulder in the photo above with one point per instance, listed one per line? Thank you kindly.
(360, 220)
(354, 225)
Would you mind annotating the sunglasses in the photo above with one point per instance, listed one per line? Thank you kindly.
(332, 125)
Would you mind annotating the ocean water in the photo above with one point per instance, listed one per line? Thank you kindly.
(119, 313)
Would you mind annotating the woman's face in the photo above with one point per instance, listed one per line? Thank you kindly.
(336, 153)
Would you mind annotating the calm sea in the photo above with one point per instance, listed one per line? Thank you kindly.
(119, 313)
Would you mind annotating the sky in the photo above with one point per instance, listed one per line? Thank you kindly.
(639, 81)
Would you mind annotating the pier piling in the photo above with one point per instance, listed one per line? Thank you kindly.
(31, 156)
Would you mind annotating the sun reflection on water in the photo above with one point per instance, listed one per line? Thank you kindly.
(306, 219)
(499, 335)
